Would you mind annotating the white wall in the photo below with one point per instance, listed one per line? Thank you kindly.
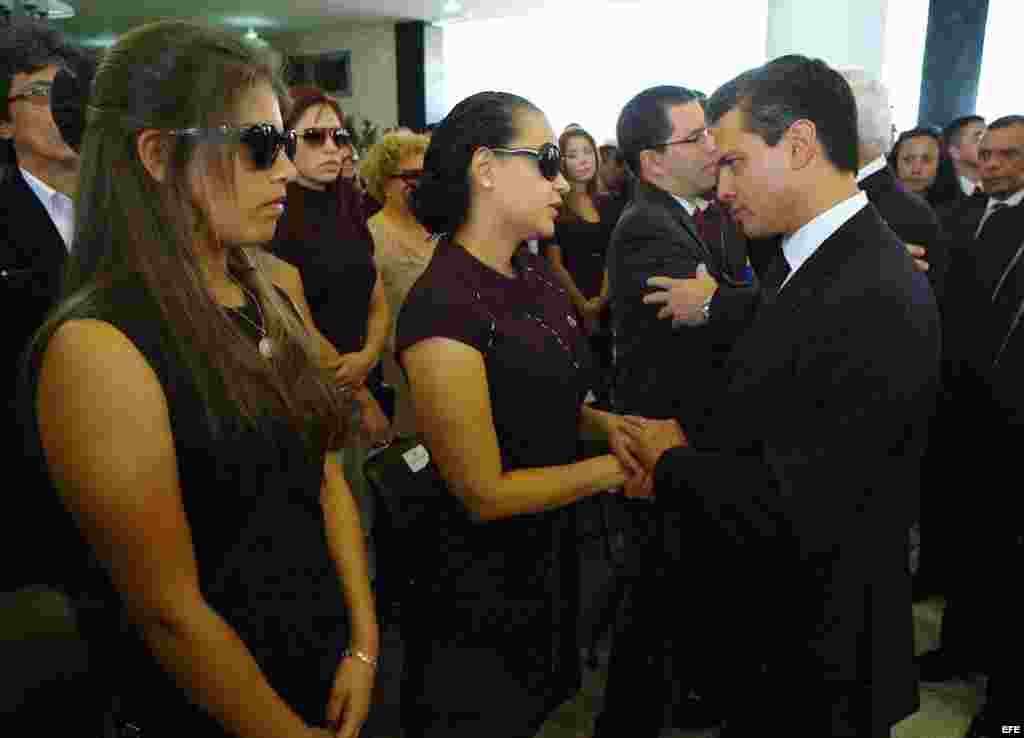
(841, 32)
(374, 65)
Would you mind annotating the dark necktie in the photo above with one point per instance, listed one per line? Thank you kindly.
(711, 230)
(775, 274)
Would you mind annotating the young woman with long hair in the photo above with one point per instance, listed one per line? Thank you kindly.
(184, 417)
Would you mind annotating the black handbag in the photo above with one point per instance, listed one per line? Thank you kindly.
(406, 480)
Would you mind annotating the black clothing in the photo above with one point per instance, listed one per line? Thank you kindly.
(831, 390)
(499, 600)
(665, 372)
(252, 500)
(338, 276)
(32, 257)
(584, 244)
(912, 219)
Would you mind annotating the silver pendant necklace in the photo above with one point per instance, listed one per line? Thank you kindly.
(265, 345)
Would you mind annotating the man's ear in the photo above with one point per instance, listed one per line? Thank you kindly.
(7, 129)
(648, 161)
(801, 138)
(151, 145)
(481, 168)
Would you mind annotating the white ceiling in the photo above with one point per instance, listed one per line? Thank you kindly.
(99, 18)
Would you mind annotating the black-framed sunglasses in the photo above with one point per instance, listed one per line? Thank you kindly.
(317, 137)
(548, 157)
(38, 92)
(698, 136)
(264, 141)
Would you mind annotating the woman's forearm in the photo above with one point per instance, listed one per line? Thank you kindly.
(546, 488)
(207, 659)
(378, 323)
(348, 549)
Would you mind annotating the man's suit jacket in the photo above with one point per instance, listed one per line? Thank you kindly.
(32, 256)
(811, 465)
(912, 219)
(660, 371)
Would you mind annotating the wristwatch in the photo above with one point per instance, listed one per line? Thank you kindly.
(705, 309)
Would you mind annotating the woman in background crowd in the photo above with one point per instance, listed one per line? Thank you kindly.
(402, 246)
(497, 368)
(577, 251)
(922, 164)
(184, 419)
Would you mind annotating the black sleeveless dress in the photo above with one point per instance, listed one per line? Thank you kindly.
(491, 645)
(252, 500)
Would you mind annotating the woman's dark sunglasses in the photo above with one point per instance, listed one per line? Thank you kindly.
(263, 140)
(318, 136)
(548, 157)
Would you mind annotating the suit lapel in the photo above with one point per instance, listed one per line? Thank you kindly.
(34, 239)
(659, 197)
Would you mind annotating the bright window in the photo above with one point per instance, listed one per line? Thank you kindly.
(906, 26)
(999, 85)
(582, 65)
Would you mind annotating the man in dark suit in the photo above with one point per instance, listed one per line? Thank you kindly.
(36, 223)
(809, 464)
(667, 371)
(909, 215)
(982, 310)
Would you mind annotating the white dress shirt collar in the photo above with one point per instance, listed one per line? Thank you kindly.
(968, 186)
(870, 168)
(691, 208)
(59, 206)
(800, 246)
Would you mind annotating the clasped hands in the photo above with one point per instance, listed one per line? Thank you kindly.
(638, 443)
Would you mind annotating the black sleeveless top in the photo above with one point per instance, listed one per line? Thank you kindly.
(252, 500)
(502, 596)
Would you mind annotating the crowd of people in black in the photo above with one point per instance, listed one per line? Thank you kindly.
(791, 339)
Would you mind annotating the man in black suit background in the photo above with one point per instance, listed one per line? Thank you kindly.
(808, 465)
(667, 371)
(985, 415)
(36, 231)
(908, 214)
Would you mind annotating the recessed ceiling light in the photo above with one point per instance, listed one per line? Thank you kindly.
(452, 7)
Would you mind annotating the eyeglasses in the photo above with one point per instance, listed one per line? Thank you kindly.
(696, 137)
(37, 93)
(548, 157)
(317, 137)
(264, 141)
(411, 177)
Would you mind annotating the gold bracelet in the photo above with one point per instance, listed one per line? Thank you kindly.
(352, 653)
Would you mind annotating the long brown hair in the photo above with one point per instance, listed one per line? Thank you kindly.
(133, 230)
(569, 210)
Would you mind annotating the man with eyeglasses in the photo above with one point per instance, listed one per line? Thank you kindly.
(662, 670)
(37, 179)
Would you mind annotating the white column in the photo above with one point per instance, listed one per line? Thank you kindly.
(841, 32)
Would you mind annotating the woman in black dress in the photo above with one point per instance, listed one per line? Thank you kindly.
(184, 421)
(333, 251)
(497, 369)
(577, 252)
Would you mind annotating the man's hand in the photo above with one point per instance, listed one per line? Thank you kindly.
(649, 439)
(918, 254)
(682, 299)
(352, 369)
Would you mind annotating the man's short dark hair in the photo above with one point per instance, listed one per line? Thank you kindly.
(1006, 121)
(953, 132)
(26, 46)
(789, 89)
(644, 122)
